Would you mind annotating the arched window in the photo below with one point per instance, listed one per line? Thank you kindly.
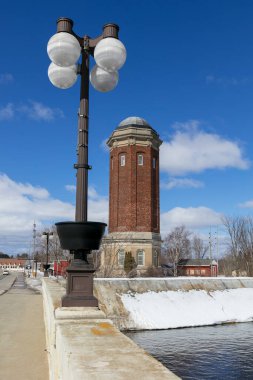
(140, 258)
(140, 159)
(121, 257)
(122, 160)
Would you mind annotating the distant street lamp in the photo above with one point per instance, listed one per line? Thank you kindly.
(64, 49)
(46, 266)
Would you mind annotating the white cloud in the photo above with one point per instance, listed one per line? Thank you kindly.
(22, 203)
(189, 126)
(98, 206)
(191, 217)
(92, 192)
(98, 209)
(6, 78)
(70, 188)
(192, 151)
(7, 112)
(38, 111)
(32, 110)
(104, 146)
(226, 81)
(247, 204)
(182, 183)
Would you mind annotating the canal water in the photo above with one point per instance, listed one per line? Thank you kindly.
(212, 352)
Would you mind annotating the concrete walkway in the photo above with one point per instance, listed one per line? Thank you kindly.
(23, 354)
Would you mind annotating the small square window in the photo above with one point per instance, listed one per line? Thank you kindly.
(140, 159)
(122, 160)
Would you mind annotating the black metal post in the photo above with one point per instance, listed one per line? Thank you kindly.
(80, 272)
(46, 266)
(47, 248)
(82, 165)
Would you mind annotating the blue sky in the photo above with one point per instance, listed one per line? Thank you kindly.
(189, 73)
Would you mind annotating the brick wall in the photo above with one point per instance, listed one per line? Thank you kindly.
(202, 271)
(134, 190)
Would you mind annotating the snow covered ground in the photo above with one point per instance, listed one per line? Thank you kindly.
(35, 282)
(172, 309)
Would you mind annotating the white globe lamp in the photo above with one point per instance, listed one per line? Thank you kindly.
(63, 49)
(62, 77)
(110, 54)
(103, 80)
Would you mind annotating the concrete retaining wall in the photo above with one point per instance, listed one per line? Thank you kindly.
(83, 344)
(109, 291)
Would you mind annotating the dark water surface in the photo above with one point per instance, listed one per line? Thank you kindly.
(212, 352)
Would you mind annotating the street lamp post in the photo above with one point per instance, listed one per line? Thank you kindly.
(46, 266)
(65, 49)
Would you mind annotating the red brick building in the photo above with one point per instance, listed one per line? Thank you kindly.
(60, 267)
(12, 263)
(134, 203)
(197, 267)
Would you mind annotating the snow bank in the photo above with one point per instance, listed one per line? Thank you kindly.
(172, 309)
(161, 303)
(35, 282)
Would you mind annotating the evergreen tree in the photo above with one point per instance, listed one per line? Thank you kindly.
(4, 255)
(129, 263)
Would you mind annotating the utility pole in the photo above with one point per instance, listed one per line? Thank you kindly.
(34, 243)
(210, 244)
(217, 247)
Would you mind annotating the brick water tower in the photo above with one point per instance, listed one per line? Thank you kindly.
(134, 201)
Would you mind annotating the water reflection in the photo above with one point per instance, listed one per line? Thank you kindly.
(212, 352)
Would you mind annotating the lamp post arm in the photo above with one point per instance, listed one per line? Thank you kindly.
(65, 24)
(109, 30)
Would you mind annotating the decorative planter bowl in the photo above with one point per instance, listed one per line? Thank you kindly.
(80, 235)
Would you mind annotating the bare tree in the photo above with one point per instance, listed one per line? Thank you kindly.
(199, 248)
(226, 265)
(54, 247)
(240, 231)
(106, 259)
(177, 245)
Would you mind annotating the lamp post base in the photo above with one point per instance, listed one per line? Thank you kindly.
(80, 238)
(46, 267)
(79, 286)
